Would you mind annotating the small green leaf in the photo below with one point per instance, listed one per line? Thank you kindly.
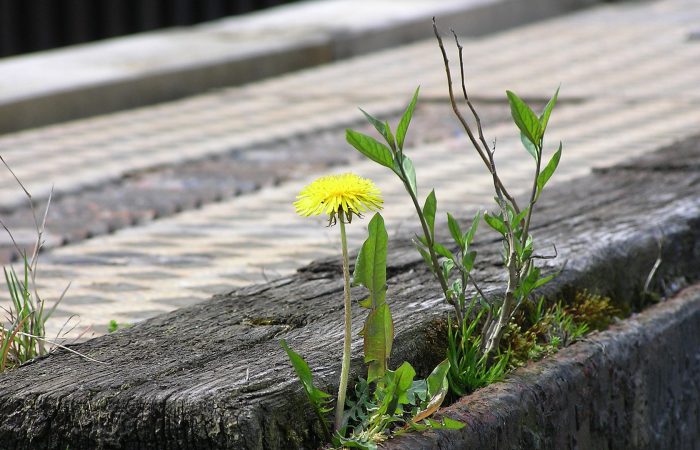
(378, 337)
(404, 379)
(437, 377)
(529, 146)
(451, 424)
(421, 240)
(315, 395)
(542, 281)
(447, 266)
(426, 257)
(381, 127)
(395, 392)
(389, 136)
(370, 267)
(544, 118)
(524, 118)
(548, 171)
(496, 223)
(455, 230)
(353, 441)
(469, 236)
(429, 211)
(468, 261)
(406, 120)
(370, 147)
(520, 217)
(443, 251)
(408, 169)
(437, 390)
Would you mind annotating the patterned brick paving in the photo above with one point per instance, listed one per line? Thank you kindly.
(629, 74)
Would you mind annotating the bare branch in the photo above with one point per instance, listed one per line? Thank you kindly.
(490, 152)
(26, 192)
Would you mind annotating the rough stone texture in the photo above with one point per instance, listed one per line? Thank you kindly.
(213, 376)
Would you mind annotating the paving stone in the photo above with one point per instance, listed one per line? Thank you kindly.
(629, 85)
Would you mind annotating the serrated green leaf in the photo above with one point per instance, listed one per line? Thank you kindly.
(378, 338)
(455, 230)
(469, 236)
(429, 211)
(370, 267)
(524, 118)
(405, 121)
(370, 147)
(381, 127)
(496, 223)
(529, 146)
(544, 117)
(408, 169)
(548, 171)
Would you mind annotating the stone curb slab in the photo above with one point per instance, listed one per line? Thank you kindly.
(634, 386)
(138, 70)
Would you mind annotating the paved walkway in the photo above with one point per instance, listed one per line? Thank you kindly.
(146, 68)
(630, 83)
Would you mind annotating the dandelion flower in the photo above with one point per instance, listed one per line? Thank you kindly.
(339, 195)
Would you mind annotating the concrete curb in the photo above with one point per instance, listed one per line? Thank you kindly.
(613, 390)
(139, 70)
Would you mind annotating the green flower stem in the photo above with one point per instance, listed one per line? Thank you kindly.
(345, 368)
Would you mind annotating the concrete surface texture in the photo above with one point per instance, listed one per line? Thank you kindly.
(134, 71)
(628, 73)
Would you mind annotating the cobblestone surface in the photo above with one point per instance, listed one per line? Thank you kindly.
(629, 76)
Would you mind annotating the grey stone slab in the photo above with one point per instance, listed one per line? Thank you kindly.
(128, 72)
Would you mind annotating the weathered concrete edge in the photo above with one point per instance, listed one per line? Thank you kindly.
(609, 391)
(121, 91)
(634, 386)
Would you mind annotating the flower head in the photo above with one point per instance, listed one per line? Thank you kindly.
(339, 196)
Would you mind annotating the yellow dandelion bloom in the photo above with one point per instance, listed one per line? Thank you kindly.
(338, 195)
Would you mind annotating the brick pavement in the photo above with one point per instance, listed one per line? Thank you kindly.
(629, 74)
(162, 191)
